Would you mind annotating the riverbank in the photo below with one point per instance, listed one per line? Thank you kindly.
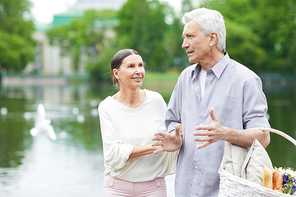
(152, 80)
(33, 81)
(160, 80)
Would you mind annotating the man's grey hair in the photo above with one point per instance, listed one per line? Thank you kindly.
(208, 21)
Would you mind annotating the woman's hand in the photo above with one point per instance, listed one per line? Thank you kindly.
(169, 142)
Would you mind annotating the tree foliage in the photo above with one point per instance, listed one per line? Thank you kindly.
(147, 26)
(153, 30)
(16, 29)
(266, 29)
(186, 6)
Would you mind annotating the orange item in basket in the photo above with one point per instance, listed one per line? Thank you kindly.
(277, 181)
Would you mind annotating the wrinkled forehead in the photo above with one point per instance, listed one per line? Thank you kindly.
(190, 28)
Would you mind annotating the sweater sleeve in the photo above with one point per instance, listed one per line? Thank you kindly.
(116, 153)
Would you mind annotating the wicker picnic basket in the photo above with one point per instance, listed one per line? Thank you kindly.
(233, 186)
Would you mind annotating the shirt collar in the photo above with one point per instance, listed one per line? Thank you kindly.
(217, 69)
(195, 71)
(221, 65)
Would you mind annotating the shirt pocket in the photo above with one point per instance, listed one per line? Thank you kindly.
(229, 106)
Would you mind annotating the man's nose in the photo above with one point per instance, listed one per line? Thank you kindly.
(185, 44)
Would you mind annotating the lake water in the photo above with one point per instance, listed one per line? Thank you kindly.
(72, 166)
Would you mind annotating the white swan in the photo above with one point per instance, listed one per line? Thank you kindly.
(42, 125)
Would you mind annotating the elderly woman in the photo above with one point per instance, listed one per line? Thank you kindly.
(128, 121)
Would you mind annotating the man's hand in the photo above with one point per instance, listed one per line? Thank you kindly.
(212, 132)
(168, 141)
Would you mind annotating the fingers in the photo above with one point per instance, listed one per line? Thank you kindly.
(203, 145)
(159, 150)
(178, 129)
(207, 140)
(213, 116)
(158, 143)
(203, 139)
(204, 127)
(202, 132)
(211, 126)
(159, 136)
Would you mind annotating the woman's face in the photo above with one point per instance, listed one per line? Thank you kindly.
(131, 72)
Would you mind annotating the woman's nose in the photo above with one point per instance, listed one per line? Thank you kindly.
(139, 68)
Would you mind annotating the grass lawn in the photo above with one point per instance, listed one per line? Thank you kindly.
(163, 83)
(160, 78)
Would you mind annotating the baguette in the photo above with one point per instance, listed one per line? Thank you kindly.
(267, 178)
(277, 181)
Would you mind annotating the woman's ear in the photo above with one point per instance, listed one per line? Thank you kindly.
(115, 73)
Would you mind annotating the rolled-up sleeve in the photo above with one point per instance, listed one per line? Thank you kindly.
(254, 104)
(116, 153)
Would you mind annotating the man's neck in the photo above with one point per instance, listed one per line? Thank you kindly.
(211, 60)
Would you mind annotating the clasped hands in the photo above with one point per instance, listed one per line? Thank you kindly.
(205, 133)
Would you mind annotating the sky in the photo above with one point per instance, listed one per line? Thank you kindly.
(43, 10)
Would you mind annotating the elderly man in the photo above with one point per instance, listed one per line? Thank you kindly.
(215, 100)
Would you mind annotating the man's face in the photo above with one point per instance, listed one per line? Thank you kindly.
(197, 45)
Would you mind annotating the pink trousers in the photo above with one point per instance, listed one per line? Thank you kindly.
(114, 187)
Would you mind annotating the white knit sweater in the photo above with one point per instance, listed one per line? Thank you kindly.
(123, 128)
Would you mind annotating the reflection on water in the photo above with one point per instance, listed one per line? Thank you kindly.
(282, 111)
(73, 164)
(49, 168)
(70, 166)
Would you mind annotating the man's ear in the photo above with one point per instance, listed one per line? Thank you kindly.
(213, 39)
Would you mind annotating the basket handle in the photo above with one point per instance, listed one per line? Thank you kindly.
(279, 133)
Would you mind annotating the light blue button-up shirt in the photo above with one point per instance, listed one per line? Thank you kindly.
(236, 94)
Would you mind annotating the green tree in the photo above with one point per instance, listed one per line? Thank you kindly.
(278, 34)
(267, 29)
(16, 29)
(146, 26)
(176, 55)
(186, 6)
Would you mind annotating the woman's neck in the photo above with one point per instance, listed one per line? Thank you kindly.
(131, 98)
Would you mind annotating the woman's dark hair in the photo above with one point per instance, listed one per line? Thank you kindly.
(117, 60)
